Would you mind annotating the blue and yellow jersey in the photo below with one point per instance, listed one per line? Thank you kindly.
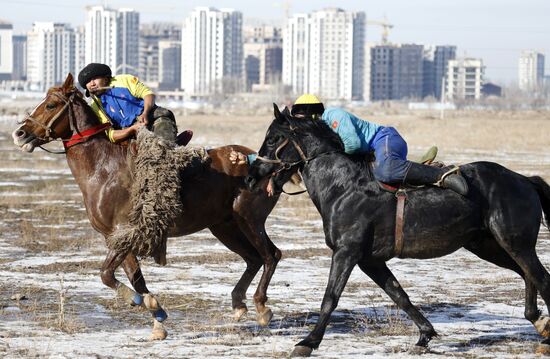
(121, 104)
(355, 133)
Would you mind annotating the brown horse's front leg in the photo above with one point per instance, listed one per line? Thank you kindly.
(133, 272)
(112, 262)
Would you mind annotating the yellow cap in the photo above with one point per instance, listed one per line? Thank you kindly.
(307, 99)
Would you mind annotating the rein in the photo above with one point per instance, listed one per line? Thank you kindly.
(284, 165)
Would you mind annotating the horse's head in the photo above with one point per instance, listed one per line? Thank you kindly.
(289, 144)
(51, 119)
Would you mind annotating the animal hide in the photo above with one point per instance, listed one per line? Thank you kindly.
(155, 196)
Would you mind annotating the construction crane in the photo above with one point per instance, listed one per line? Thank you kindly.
(286, 7)
(386, 26)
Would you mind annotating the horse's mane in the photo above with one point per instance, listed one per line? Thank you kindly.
(318, 128)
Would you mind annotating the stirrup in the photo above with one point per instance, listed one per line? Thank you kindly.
(454, 169)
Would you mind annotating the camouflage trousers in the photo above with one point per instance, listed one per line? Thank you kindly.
(163, 124)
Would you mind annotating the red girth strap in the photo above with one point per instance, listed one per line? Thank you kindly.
(85, 135)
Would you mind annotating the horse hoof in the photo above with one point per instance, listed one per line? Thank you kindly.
(418, 350)
(265, 317)
(543, 326)
(159, 333)
(301, 351)
(239, 313)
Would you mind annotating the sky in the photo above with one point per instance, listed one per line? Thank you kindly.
(494, 30)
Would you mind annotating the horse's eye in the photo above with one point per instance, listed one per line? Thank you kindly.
(271, 141)
(50, 106)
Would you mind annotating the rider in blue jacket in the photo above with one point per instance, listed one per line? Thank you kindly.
(389, 148)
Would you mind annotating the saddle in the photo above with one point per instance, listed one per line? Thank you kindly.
(400, 191)
(427, 159)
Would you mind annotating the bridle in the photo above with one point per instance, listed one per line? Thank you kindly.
(77, 137)
(286, 165)
(48, 127)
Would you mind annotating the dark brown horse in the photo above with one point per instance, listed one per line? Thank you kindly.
(216, 199)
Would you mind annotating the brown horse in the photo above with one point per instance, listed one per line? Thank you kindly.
(216, 199)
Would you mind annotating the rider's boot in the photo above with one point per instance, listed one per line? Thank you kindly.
(419, 174)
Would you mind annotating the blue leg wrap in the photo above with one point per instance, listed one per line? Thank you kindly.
(137, 300)
(160, 315)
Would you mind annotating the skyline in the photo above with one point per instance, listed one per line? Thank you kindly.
(495, 31)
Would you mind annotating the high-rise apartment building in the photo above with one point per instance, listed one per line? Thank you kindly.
(79, 49)
(50, 53)
(112, 38)
(6, 50)
(441, 60)
(397, 72)
(19, 57)
(531, 70)
(149, 51)
(323, 53)
(128, 49)
(263, 56)
(101, 36)
(169, 64)
(212, 51)
(464, 79)
(436, 59)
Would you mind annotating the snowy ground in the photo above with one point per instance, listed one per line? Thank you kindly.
(50, 260)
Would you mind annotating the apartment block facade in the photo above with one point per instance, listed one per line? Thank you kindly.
(263, 56)
(323, 53)
(465, 78)
(531, 70)
(112, 38)
(6, 50)
(397, 72)
(50, 53)
(212, 51)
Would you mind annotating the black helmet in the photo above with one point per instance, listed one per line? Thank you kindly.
(92, 71)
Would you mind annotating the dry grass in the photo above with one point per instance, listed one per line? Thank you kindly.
(49, 309)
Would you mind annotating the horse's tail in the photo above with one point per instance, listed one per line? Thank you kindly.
(543, 189)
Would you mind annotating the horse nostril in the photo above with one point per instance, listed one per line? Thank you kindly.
(20, 133)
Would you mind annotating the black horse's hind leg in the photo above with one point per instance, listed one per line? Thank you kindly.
(539, 277)
(521, 248)
(491, 251)
(344, 260)
(382, 276)
(133, 272)
(232, 237)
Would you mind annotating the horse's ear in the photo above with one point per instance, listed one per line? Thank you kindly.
(286, 111)
(276, 111)
(69, 83)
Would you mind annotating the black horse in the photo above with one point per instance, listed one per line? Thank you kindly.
(498, 220)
